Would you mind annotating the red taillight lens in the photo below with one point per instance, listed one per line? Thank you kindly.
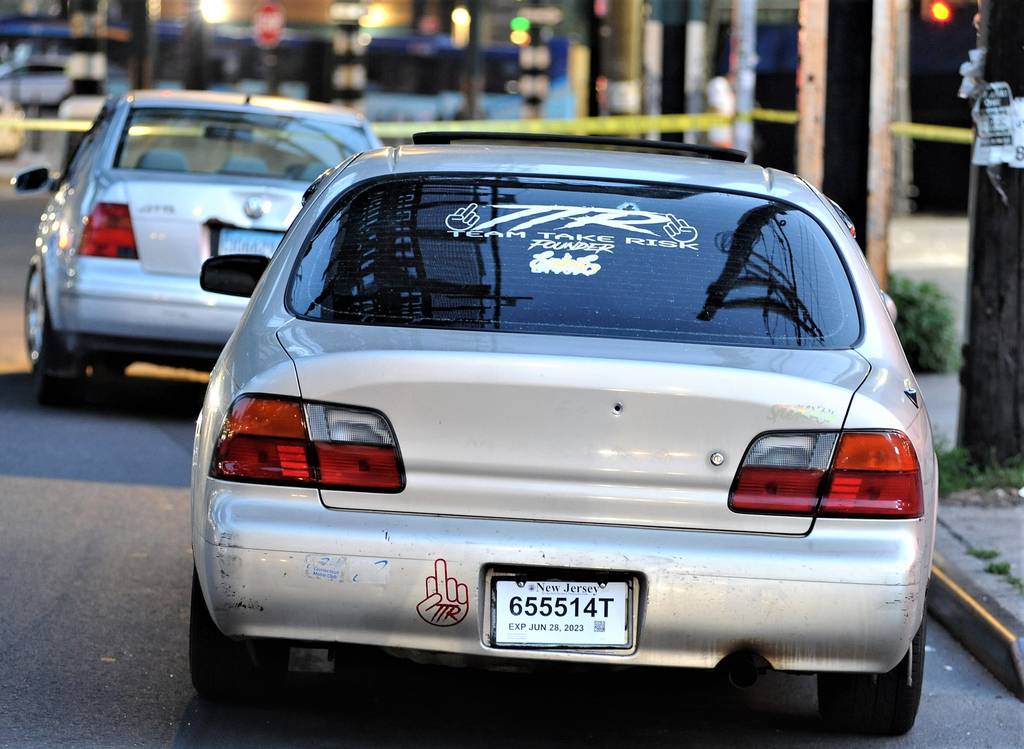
(782, 473)
(108, 232)
(875, 474)
(283, 441)
(784, 490)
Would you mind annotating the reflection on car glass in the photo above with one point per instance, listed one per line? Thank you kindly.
(760, 272)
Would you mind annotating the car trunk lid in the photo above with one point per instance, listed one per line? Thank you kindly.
(176, 222)
(571, 429)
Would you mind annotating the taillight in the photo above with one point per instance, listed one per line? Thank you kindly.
(108, 232)
(853, 474)
(874, 474)
(275, 440)
(782, 473)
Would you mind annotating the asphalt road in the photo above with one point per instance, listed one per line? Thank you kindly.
(94, 581)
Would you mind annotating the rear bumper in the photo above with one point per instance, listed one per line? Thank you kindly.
(117, 298)
(848, 597)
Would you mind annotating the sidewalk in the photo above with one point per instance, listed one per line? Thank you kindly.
(978, 533)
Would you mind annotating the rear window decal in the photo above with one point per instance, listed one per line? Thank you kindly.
(567, 265)
(676, 233)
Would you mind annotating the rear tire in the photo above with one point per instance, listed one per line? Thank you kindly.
(227, 670)
(875, 703)
(46, 350)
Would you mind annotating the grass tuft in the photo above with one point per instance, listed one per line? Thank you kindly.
(983, 553)
(998, 568)
(957, 471)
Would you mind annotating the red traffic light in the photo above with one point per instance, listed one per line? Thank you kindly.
(938, 11)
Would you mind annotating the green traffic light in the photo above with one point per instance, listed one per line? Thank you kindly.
(519, 23)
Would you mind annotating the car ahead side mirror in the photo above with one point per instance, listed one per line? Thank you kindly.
(31, 180)
(890, 305)
(236, 275)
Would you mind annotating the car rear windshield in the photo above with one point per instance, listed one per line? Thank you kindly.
(614, 260)
(208, 141)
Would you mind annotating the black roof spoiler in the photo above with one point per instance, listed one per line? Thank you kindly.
(435, 138)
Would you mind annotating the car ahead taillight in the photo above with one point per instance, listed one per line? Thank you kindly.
(274, 440)
(853, 474)
(108, 233)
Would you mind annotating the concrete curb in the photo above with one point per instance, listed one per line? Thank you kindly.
(987, 630)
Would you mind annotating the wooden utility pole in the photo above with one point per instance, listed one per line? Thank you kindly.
(884, 23)
(992, 405)
(810, 98)
(623, 61)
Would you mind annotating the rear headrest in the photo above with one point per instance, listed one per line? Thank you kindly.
(164, 159)
(244, 165)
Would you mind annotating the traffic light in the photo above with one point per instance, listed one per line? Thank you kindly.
(941, 12)
(519, 31)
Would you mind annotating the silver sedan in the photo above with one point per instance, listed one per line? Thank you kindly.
(163, 181)
(514, 400)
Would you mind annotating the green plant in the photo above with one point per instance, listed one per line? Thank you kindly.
(925, 324)
(998, 568)
(983, 553)
(957, 471)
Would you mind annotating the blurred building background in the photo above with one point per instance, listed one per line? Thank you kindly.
(417, 56)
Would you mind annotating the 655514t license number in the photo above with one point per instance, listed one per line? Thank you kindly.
(557, 613)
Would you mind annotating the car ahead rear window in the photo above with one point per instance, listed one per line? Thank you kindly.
(251, 144)
(528, 255)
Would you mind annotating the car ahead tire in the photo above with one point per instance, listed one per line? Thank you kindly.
(875, 703)
(229, 670)
(46, 350)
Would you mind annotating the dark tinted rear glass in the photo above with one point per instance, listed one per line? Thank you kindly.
(527, 255)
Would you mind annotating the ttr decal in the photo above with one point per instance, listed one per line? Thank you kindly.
(447, 600)
(519, 218)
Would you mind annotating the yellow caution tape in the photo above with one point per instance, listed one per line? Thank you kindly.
(611, 125)
(935, 133)
(635, 125)
(51, 125)
(775, 115)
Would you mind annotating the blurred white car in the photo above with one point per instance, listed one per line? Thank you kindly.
(163, 181)
(537, 399)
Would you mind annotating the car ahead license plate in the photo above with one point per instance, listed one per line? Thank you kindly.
(247, 242)
(560, 613)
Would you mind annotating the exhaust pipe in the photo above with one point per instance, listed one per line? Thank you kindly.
(744, 668)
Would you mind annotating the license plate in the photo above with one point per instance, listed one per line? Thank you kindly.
(561, 613)
(247, 242)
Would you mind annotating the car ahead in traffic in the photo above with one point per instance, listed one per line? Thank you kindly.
(574, 400)
(161, 182)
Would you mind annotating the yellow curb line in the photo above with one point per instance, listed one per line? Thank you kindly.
(974, 604)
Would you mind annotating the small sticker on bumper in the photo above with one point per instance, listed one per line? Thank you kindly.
(356, 570)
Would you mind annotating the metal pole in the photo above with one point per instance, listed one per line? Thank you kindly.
(880, 146)
(696, 76)
(743, 70)
(474, 70)
(349, 77)
(811, 90)
(195, 49)
(87, 64)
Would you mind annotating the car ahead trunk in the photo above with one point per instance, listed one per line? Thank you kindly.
(174, 219)
(570, 429)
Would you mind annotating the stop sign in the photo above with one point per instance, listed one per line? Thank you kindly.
(267, 24)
